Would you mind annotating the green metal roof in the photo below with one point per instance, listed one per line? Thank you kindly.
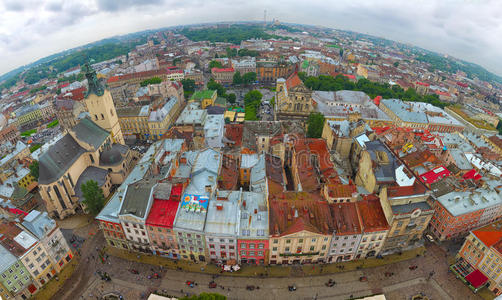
(206, 94)
(89, 132)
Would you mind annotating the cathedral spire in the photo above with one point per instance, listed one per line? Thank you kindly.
(92, 80)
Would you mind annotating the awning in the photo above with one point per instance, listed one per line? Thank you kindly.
(476, 278)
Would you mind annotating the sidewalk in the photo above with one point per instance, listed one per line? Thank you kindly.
(267, 271)
(49, 289)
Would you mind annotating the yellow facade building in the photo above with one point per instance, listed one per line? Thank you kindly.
(293, 99)
(206, 98)
(300, 229)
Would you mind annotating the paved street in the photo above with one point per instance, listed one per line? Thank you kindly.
(86, 284)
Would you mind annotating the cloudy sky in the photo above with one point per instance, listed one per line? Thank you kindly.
(470, 29)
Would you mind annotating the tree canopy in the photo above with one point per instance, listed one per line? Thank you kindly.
(215, 64)
(213, 85)
(249, 77)
(50, 66)
(34, 167)
(373, 89)
(153, 80)
(315, 125)
(252, 101)
(237, 79)
(94, 200)
(232, 34)
(188, 85)
(231, 52)
(247, 52)
(231, 98)
(205, 296)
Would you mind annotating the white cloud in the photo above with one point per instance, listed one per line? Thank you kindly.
(466, 29)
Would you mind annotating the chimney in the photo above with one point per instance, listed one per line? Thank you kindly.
(255, 211)
(219, 206)
(244, 204)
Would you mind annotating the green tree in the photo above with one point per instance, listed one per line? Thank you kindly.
(252, 101)
(94, 199)
(302, 76)
(188, 85)
(231, 52)
(315, 125)
(205, 296)
(215, 64)
(153, 80)
(249, 77)
(213, 85)
(237, 78)
(341, 52)
(247, 52)
(272, 102)
(231, 98)
(396, 64)
(252, 96)
(34, 167)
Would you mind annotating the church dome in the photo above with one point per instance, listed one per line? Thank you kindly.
(111, 156)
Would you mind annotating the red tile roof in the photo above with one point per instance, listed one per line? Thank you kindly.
(220, 70)
(440, 93)
(422, 83)
(417, 158)
(9, 231)
(295, 212)
(162, 213)
(372, 216)
(400, 191)
(346, 218)
(349, 76)
(229, 174)
(145, 74)
(293, 81)
(339, 190)
(490, 234)
(496, 140)
(234, 132)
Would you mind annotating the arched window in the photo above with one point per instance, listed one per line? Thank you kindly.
(60, 198)
(92, 158)
(95, 117)
(102, 117)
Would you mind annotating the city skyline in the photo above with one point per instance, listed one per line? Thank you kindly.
(29, 32)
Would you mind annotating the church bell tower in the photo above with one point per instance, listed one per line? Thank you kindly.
(100, 105)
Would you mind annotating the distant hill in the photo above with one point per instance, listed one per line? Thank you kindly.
(232, 32)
